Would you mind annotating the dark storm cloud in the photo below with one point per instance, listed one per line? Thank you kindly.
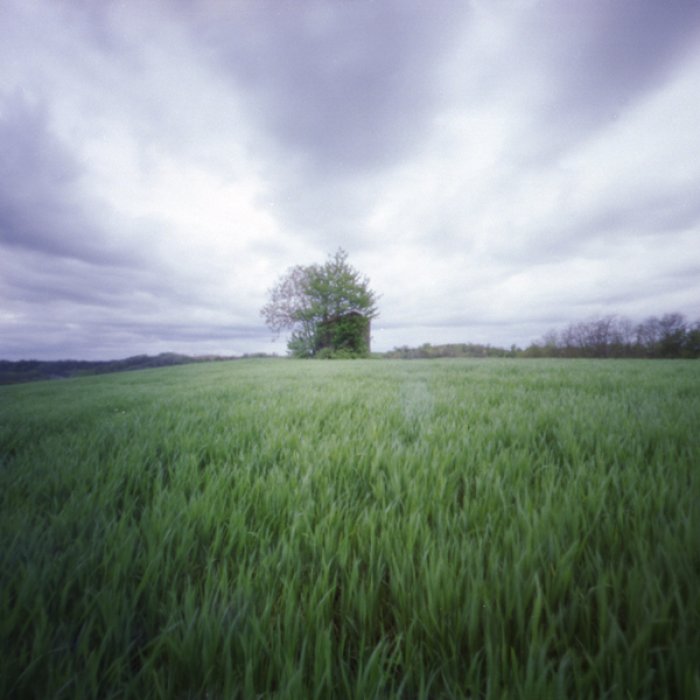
(607, 226)
(492, 165)
(38, 278)
(343, 91)
(42, 207)
(660, 211)
(347, 85)
(347, 90)
(63, 307)
(599, 56)
(96, 338)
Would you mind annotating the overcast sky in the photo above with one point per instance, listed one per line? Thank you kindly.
(496, 168)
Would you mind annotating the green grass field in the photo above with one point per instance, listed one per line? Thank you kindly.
(361, 529)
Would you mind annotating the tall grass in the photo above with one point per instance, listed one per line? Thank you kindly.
(367, 529)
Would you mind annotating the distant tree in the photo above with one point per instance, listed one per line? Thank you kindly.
(648, 335)
(550, 343)
(673, 330)
(621, 337)
(692, 341)
(326, 307)
(616, 336)
(428, 351)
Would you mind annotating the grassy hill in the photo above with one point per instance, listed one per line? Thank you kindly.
(37, 370)
(452, 528)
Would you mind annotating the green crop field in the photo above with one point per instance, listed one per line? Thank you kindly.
(353, 529)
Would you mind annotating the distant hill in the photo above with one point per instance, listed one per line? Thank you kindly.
(36, 370)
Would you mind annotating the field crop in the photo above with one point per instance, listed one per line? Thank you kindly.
(359, 529)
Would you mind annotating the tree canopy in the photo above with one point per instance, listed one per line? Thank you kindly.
(326, 307)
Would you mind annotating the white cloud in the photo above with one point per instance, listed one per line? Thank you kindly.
(481, 167)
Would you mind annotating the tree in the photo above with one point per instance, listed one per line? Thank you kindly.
(616, 336)
(692, 341)
(674, 330)
(648, 336)
(326, 307)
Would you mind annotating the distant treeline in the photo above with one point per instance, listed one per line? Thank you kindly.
(670, 336)
(428, 351)
(35, 370)
(667, 337)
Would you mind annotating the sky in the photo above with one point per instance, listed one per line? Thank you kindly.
(496, 168)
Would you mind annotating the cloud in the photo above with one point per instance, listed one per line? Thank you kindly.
(41, 207)
(493, 167)
(585, 64)
(346, 86)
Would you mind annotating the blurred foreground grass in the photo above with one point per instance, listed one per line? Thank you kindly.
(356, 529)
